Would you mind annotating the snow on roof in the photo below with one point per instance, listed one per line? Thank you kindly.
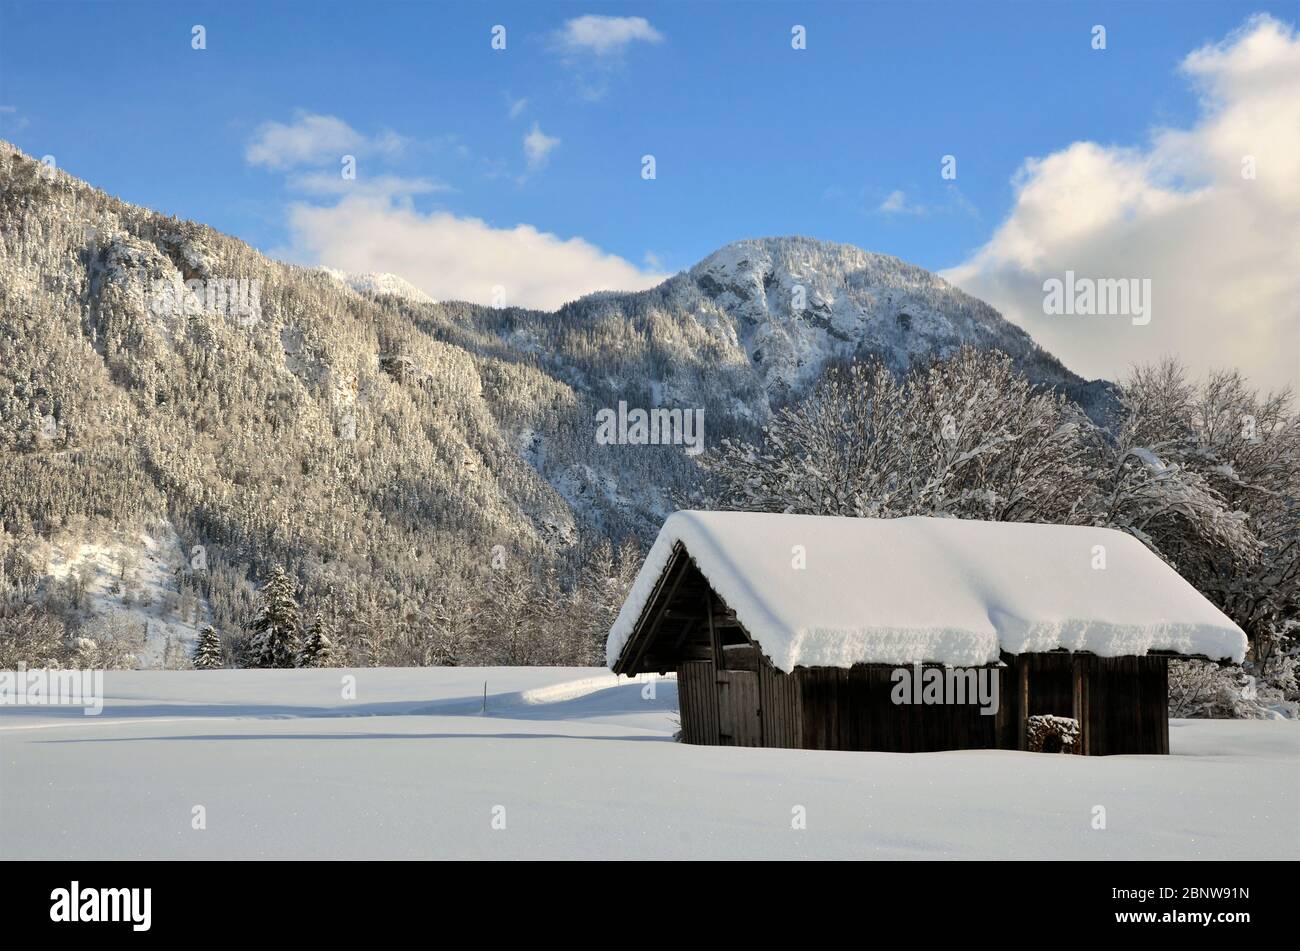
(907, 590)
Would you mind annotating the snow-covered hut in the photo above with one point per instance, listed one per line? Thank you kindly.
(875, 634)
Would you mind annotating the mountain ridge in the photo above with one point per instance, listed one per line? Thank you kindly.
(380, 443)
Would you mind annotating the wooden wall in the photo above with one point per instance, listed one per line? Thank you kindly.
(1124, 704)
(853, 709)
(783, 710)
(1121, 704)
(757, 707)
(697, 699)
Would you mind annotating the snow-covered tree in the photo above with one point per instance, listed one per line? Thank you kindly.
(450, 624)
(508, 615)
(275, 634)
(1202, 688)
(30, 636)
(207, 650)
(968, 437)
(1149, 482)
(317, 648)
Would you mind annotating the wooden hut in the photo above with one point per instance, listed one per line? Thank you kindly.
(828, 633)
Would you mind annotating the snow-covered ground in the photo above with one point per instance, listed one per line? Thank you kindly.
(569, 763)
(131, 576)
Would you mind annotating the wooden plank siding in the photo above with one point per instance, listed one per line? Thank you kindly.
(698, 702)
(782, 708)
(1051, 683)
(740, 718)
(1120, 703)
(853, 709)
(1126, 707)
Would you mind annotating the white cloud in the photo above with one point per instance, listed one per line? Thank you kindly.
(538, 146)
(605, 35)
(515, 107)
(375, 228)
(379, 186)
(453, 258)
(896, 203)
(314, 140)
(1222, 250)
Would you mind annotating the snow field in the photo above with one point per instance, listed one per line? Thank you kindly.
(571, 763)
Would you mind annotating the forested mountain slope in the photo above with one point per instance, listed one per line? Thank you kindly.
(391, 450)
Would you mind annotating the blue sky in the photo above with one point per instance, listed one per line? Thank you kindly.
(750, 136)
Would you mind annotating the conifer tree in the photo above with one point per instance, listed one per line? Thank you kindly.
(207, 650)
(275, 634)
(317, 648)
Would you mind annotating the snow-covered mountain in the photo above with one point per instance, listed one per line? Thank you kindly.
(371, 282)
(154, 371)
(759, 320)
(793, 304)
(797, 303)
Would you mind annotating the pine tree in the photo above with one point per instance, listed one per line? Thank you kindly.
(317, 648)
(275, 635)
(207, 650)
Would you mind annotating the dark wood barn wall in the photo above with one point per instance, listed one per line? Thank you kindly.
(853, 709)
(1121, 704)
(1125, 704)
(739, 707)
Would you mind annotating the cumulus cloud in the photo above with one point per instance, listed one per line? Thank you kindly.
(314, 140)
(454, 258)
(604, 35)
(538, 146)
(1210, 214)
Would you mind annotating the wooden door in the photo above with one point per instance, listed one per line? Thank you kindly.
(740, 720)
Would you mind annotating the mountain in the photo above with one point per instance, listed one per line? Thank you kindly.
(374, 283)
(777, 311)
(856, 304)
(162, 381)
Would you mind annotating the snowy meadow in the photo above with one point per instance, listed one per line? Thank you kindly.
(573, 763)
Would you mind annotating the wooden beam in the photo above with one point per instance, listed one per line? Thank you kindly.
(681, 615)
(686, 630)
(713, 632)
(638, 629)
(1023, 712)
(1080, 671)
(678, 567)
